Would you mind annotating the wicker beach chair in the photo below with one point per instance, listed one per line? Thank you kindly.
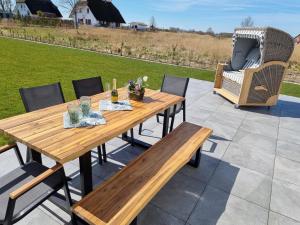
(258, 64)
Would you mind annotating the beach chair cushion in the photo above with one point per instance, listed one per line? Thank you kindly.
(252, 59)
(236, 76)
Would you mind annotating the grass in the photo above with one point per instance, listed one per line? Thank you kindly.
(25, 64)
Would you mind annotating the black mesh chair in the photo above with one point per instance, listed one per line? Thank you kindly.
(88, 87)
(40, 97)
(28, 186)
(176, 86)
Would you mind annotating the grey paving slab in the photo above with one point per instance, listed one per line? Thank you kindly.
(277, 219)
(244, 183)
(285, 199)
(216, 207)
(179, 196)
(288, 150)
(289, 135)
(152, 215)
(260, 128)
(287, 170)
(290, 122)
(205, 170)
(251, 158)
(261, 143)
(38, 217)
(221, 129)
(215, 146)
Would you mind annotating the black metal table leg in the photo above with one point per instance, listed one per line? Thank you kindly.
(86, 181)
(36, 156)
(195, 162)
(104, 152)
(166, 122)
(19, 156)
(135, 141)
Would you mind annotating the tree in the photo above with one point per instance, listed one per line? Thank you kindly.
(71, 7)
(152, 24)
(6, 5)
(247, 22)
(210, 31)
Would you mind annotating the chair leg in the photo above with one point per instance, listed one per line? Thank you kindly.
(172, 123)
(19, 156)
(140, 128)
(104, 153)
(100, 161)
(157, 118)
(66, 189)
(132, 137)
(184, 111)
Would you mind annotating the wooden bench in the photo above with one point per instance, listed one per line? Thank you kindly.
(120, 199)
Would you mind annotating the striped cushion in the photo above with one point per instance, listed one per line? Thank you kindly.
(237, 76)
(252, 59)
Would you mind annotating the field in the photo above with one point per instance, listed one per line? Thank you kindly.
(181, 48)
(26, 64)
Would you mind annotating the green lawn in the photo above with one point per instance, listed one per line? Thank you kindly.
(25, 64)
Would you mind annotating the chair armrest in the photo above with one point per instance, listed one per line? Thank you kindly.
(7, 147)
(37, 180)
(271, 63)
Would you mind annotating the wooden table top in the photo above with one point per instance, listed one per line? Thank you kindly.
(43, 130)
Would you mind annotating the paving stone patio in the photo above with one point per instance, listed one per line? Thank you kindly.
(249, 171)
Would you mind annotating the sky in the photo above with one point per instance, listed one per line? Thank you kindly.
(221, 15)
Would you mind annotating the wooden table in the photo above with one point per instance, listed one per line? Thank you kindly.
(43, 130)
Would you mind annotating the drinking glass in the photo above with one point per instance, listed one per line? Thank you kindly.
(85, 105)
(126, 92)
(108, 91)
(74, 113)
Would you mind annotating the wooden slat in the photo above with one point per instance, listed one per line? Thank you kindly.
(43, 130)
(120, 199)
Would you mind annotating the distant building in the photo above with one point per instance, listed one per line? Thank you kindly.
(297, 39)
(97, 13)
(36, 7)
(138, 26)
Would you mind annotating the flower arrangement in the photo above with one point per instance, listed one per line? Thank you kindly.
(136, 88)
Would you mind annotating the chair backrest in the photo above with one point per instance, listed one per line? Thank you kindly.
(176, 86)
(252, 59)
(42, 96)
(88, 87)
(274, 45)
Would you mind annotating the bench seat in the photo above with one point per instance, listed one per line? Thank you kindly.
(120, 199)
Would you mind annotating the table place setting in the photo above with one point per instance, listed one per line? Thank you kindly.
(81, 115)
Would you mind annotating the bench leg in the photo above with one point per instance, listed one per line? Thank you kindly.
(134, 222)
(195, 162)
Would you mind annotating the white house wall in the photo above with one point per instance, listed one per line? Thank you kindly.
(84, 15)
(22, 9)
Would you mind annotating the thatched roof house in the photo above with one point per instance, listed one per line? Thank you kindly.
(35, 7)
(97, 13)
